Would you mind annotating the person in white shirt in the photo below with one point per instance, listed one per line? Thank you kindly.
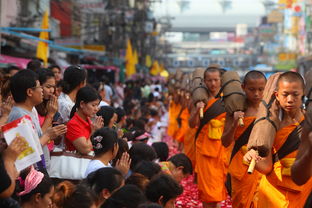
(102, 93)
(105, 146)
(74, 79)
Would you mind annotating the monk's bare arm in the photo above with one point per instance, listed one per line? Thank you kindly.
(265, 166)
(229, 130)
(301, 171)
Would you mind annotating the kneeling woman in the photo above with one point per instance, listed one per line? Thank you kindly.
(80, 127)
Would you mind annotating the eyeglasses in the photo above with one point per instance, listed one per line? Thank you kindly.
(36, 87)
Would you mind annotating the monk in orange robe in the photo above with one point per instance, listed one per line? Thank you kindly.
(189, 140)
(210, 166)
(183, 117)
(276, 188)
(174, 110)
(243, 185)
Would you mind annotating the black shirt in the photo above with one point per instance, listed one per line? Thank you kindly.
(5, 180)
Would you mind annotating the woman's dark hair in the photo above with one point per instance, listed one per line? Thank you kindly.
(73, 77)
(147, 168)
(141, 151)
(42, 188)
(105, 178)
(120, 113)
(136, 132)
(11, 68)
(55, 66)
(81, 197)
(139, 124)
(163, 186)
(123, 147)
(162, 150)
(153, 112)
(44, 75)
(104, 140)
(138, 180)
(20, 83)
(181, 160)
(34, 65)
(62, 191)
(5, 87)
(129, 123)
(107, 113)
(86, 94)
(129, 196)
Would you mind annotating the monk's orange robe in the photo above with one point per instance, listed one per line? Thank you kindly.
(210, 165)
(185, 115)
(244, 185)
(189, 145)
(277, 189)
(174, 110)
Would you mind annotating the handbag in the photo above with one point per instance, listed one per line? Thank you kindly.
(68, 165)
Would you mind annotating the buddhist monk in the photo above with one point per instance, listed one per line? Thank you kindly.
(174, 110)
(210, 166)
(276, 188)
(243, 185)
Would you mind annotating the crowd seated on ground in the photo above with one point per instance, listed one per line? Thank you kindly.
(124, 167)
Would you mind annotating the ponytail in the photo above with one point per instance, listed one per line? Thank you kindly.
(73, 110)
(62, 192)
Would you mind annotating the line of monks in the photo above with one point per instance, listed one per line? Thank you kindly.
(217, 145)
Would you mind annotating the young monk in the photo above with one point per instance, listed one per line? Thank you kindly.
(210, 166)
(276, 189)
(243, 184)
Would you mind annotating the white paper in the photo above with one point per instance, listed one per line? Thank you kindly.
(32, 154)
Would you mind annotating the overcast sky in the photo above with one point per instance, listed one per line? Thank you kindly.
(209, 7)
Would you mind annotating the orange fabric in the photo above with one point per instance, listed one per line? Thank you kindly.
(278, 190)
(244, 185)
(185, 115)
(189, 144)
(210, 166)
(174, 110)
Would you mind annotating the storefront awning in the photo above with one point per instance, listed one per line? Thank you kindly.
(20, 62)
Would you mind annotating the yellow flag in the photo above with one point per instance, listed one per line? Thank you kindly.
(148, 61)
(155, 70)
(130, 60)
(42, 47)
(128, 51)
(135, 57)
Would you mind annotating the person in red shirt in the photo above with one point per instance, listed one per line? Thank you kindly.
(80, 127)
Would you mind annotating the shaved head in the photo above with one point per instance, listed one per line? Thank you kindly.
(252, 75)
(291, 77)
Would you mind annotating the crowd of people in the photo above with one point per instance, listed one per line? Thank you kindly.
(118, 131)
(105, 146)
